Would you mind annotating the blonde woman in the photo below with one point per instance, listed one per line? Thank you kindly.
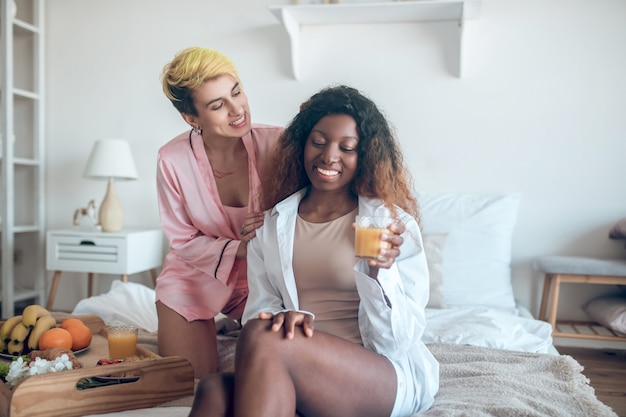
(208, 181)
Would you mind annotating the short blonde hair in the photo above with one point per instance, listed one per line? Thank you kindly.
(189, 70)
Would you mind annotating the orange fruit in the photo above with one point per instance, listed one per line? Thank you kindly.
(71, 322)
(55, 338)
(81, 336)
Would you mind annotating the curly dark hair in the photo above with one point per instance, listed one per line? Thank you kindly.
(381, 172)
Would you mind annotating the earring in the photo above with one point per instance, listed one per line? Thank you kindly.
(197, 130)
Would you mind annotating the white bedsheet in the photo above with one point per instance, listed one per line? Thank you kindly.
(149, 412)
(502, 328)
(511, 329)
(126, 302)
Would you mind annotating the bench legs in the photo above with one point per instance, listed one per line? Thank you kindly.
(550, 302)
(550, 299)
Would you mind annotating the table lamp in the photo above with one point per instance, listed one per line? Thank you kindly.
(111, 159)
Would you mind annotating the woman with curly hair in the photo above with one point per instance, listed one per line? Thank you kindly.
(325, 333)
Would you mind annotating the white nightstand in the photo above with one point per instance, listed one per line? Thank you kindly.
(124, 253)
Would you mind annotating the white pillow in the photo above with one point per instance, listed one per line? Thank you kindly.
(477, 254)
(433, 249)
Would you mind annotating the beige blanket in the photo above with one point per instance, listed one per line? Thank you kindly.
(482, 382)
(485, 382)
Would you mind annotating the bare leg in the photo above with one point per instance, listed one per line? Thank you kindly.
(214, 396)
(319, 376)
(195, 341)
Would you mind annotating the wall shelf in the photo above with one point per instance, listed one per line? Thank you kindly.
(292, 17)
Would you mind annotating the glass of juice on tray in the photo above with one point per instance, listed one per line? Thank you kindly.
(122, 340)
(368, 232)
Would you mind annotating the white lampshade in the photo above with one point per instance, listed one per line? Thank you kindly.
(111, 159)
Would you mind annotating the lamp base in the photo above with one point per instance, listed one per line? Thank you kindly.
(111, 215)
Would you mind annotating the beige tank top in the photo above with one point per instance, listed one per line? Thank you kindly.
(323, 261)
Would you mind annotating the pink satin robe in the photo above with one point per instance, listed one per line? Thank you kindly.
(201, 276)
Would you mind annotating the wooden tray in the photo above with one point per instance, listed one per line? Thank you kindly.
(56, 395)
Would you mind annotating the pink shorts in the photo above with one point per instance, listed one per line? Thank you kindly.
(197, 296)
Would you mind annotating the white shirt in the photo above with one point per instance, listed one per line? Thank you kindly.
(393, 330)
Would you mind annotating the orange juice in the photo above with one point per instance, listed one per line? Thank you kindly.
(368, 242)
(122, 341)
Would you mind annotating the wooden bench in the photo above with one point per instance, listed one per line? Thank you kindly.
(577, 270)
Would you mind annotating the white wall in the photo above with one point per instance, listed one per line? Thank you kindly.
(540, 109)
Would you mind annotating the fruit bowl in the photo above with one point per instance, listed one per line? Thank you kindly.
(11, 357)
(56, 394)
(37, 329)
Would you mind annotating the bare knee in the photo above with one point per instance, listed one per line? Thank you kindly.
(256, 333)
(257, 342)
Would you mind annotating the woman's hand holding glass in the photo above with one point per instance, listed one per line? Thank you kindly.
(388, 255)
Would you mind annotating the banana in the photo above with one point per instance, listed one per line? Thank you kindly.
(19, 334)
(3, 346)
(15, 349)
(32, 313)
(43, 324)
(7, 327)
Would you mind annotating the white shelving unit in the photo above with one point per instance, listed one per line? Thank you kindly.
(293, 17)
(22, 127)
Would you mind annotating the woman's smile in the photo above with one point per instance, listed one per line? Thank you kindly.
(241, 122)
(327, 172)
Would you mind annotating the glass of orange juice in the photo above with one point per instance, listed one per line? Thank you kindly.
(122, 341)
(368, 232)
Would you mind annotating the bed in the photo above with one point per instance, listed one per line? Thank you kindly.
(495, 358)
